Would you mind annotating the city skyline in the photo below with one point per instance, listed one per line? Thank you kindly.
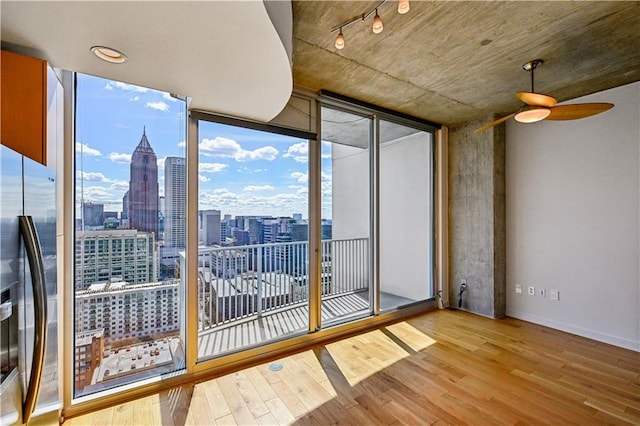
(241, 171)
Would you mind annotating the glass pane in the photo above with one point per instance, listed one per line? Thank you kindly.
(129, 209)
(346, 216)
(405, 215)
(253, 238)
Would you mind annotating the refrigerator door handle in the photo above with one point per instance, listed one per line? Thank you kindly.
(34, 254)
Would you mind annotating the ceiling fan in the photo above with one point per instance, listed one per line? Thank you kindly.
(543, 107)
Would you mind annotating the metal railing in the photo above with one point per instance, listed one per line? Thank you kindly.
(239, 282)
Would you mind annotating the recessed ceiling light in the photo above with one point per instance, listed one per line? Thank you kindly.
(109, 54)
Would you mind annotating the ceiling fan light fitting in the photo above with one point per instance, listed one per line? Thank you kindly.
(532, 114)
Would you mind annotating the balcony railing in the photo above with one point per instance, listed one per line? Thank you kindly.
(239, 282)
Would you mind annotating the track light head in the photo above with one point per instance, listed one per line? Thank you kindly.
(377, 26)
(403, 6)
(339, 40)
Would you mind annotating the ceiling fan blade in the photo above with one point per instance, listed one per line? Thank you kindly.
(536, 99)
(576, 111)
(494, 123)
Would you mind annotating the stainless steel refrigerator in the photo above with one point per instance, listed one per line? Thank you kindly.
(29, 386)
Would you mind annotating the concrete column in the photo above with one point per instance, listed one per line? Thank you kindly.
(477, 218)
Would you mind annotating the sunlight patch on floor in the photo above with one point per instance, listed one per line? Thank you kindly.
(362, 356)
(411, 336)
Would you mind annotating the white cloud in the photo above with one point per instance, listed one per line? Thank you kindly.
(119, 185)
(182, 144)
(160, 162)
(96, 193)
(300, 189)
(299, 152)
(85, 149)
(268, 153)
(326, 149)
(212, 167)
(168, 97)
(300, 177)
(248, 203)
(124, 86)
(160, 106)
(134, 99)
(257, 188)
(91, 176)
(203, 178)
(120, 158)
(229, 148)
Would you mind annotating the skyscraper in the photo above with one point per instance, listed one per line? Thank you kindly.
(175, 202)
(211, 232)
(143, 188)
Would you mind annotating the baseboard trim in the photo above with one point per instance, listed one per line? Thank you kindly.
(569, 328)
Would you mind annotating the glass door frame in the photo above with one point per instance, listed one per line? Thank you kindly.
(342, 103)
(372, 252)
(195, 366)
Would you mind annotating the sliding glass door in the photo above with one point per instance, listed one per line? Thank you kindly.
(347, 290)
(405, 202)
(253, 245)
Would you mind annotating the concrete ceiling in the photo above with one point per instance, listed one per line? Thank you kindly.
(453, 62)
(230, 57)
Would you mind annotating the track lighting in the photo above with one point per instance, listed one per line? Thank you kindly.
(403, 6)
(377, 25)
(340, 40)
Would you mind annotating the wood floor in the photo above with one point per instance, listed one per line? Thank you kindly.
(443, 367)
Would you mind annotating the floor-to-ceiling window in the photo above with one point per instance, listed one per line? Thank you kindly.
(253, 227)
(347, 288)
(405, 200)
(251, 213)
(130, 207)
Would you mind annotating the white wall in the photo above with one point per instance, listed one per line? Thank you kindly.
(573, 220)
(405, 210)
(350, 192)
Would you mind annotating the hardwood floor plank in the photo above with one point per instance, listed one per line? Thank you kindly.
(280, 412)
(444, 367)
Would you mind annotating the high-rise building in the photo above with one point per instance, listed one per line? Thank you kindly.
(143, 188)
(175, 202)
(211, 229)
(92, 215)
(114, 255)
(125, 207)
(223, 232)
(128, 311)
(89, 349)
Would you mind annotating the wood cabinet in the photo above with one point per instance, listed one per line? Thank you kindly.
(24, 105)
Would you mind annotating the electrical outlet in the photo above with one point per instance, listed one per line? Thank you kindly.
(532, 291)
(554, 295)
(542, 292)
(518, 288)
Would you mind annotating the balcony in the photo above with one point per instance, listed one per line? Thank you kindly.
(249, 295)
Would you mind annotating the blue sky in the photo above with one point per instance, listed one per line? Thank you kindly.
(241, 171)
